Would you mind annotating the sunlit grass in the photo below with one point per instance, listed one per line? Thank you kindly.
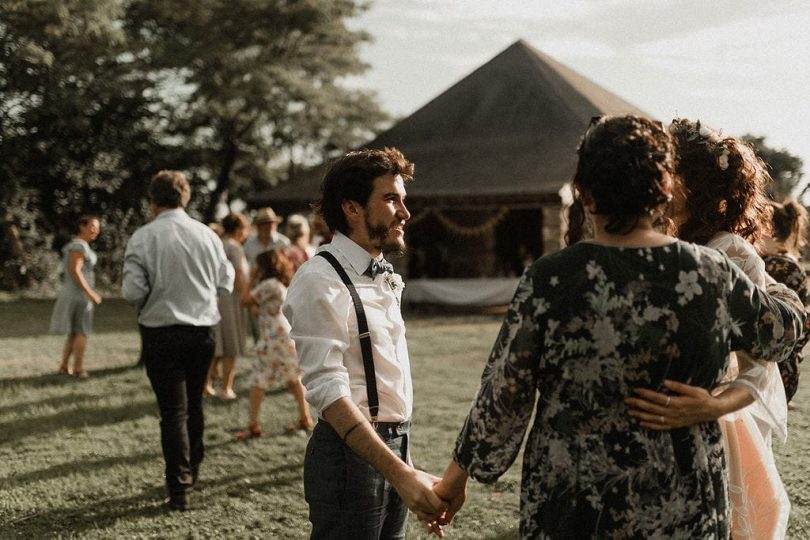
(82, 459)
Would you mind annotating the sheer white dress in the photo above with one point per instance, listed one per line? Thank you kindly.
(759, 503)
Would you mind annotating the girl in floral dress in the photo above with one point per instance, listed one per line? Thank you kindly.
(276, 362)
(630, 308)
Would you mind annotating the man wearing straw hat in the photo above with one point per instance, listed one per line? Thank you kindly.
(267, 236)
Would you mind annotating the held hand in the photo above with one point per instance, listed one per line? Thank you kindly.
(686, 406)
(453, 489)
(95, 298)
(415, 488)
(455, 497)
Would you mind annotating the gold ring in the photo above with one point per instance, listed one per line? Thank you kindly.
(669, 399)
(662, 419)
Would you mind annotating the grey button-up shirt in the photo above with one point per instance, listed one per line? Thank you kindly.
(174, 269)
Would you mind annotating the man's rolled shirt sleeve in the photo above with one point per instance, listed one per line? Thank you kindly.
(317, 308)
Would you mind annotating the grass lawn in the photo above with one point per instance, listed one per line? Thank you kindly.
(82, 459)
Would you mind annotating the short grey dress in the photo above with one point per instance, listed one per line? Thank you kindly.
(231, 330)
(73, 311)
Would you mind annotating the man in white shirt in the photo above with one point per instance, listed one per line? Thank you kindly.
(358, 477)
(267, 236)
(174, 269)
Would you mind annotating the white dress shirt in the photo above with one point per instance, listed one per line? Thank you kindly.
(253, 246)
(324, 328)
(174, 269)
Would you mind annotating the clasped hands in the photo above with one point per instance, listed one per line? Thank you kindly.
(434, 500)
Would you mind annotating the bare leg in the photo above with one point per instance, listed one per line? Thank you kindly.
(299, 393)
(228, 372)
(208, 389)
(66, 351)
(256, 397)
(79, 346)
(253, 429)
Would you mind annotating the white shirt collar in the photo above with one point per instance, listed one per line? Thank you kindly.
(358, 258)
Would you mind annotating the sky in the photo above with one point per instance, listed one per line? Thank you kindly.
(739, 65)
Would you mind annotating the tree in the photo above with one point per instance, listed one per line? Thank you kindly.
(785, 168)
(74, 126)
(264, 84)
(96, 95)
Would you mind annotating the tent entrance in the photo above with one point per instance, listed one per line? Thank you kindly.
(473, 243)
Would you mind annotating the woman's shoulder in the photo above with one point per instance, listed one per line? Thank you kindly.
(76, 244)
(732, 244)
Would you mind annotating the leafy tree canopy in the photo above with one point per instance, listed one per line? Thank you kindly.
(97, 95)
(785, 168)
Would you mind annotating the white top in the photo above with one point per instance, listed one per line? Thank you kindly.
(174, 269)
(253, 246)
(759, 377)
(324, 328)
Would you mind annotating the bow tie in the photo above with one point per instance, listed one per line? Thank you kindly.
(379, 267)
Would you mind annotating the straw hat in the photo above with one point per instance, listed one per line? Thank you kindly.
(266, 215)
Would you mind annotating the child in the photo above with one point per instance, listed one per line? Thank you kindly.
(276, 362)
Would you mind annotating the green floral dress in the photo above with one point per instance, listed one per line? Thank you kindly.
(587, 325)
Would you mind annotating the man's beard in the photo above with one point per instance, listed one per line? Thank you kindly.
(379, 235)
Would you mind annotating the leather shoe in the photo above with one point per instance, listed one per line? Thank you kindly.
(179, 501)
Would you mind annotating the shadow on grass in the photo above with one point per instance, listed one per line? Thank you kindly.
(104, 513)
(44, 426)
(85, 465)
(76, 467)
(54, 379)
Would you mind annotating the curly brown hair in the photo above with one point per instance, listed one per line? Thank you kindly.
(723, 182)
(624, 165)
(274, 263)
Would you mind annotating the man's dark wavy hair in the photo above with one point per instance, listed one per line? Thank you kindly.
(351, 177)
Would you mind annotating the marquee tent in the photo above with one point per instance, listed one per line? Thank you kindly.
(492, 154)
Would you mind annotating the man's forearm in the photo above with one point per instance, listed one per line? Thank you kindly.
(345, 417)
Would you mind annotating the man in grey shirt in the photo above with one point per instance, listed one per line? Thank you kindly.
(174, 268)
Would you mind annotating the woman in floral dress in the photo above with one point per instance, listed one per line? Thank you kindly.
(630, 308)
(276, 363)
(782, 262)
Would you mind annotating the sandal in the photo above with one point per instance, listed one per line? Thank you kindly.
(227, 395)
(253, 431)
(303, 425)
(64, 370)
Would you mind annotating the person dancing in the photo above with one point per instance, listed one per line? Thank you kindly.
(73, 311)
(275, 362)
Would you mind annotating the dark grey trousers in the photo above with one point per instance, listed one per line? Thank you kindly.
(347, 497)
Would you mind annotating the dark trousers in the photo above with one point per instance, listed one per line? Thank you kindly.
(347, 497)
(177, 360)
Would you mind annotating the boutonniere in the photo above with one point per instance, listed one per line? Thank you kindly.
(395, 283)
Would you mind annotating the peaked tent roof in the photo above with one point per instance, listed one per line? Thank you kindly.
(511, 127)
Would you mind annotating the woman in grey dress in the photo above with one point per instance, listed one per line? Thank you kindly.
(73, 312)
(231, 330)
